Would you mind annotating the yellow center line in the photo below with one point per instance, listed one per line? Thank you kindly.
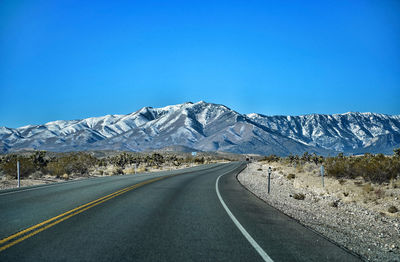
(56, 217)
(66, 215)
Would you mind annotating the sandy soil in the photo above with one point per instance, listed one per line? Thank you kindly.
(352, 213)
(7, 183)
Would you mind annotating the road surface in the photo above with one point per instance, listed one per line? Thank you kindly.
(197, 214)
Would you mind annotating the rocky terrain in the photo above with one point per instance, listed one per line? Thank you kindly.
(357, 215)
(211, 127)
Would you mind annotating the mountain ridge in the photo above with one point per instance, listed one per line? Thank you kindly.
(212, 127)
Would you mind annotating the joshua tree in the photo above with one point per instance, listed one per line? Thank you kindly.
(396, 152)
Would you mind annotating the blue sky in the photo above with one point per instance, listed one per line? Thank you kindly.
(77, 59)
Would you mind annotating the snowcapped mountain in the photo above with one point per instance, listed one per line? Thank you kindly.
(349, 132)
(212, 127)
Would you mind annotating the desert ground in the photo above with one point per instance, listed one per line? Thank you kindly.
(357, 215)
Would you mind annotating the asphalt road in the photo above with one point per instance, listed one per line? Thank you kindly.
(166, 216)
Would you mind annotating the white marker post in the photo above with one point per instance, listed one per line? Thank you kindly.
(322, 175)
(19, 184)
(269, 179)
(135, 168)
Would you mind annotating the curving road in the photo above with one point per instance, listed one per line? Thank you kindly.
(196, 214)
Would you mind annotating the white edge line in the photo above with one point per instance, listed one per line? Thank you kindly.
(251, 240)
(41, 186)
(57, 184)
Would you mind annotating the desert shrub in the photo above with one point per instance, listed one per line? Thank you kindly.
(130, 170)
(155, 159)
(368, 188)
(77, 163)
(188, 159)
(199, 160)
(29, 164)
(317, 159)
(358, 183)
(392, 209)
(293, 158)
(380, 193)
(176, 163)
(9, 166)
(158, 159)
(396, 152)
(172, 159)
(118, 171)
(306, 157)
(40, 160)
(375, 168)
(299, 196)
(56, 168)
(141, 169)
(334, 203)
(124, 159)
(271, 158)
(36, 175)
(291, 176)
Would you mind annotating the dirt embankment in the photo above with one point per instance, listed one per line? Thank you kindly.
(357, 215)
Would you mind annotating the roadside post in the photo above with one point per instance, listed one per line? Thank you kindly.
(322, 175)
(19, 183)
(135, 168)
(269, 179)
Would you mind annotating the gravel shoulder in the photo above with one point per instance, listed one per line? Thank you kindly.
(348, 212)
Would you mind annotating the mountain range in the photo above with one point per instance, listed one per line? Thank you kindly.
(206, 126)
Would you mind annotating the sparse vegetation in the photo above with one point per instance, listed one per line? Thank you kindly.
(358, 192)
(72, 163)
(374, 168)
(369, 180)
(393, 209)
(352, 205)
(77, 164)
(334, 203)
(271, 158)
(28, 165)
(299, 196)
(291, 176)
(368, 188)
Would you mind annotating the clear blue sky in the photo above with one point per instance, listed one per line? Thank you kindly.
(77, 59)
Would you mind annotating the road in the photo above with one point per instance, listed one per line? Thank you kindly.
(197, 214)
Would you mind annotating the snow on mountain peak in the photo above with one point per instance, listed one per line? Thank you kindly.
(208, 126)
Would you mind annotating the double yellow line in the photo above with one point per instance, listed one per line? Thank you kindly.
(33, 230)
